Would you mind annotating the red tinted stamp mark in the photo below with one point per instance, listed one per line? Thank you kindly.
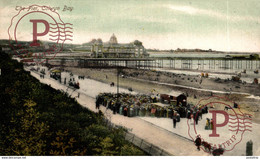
(221, 127)
(37, 33)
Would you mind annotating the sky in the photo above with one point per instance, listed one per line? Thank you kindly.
(224, 25)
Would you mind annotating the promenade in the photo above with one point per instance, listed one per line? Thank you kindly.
(157, 131)
(155, 135)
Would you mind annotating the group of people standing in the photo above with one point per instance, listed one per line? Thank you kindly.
(209, 124)
(81, 77)
(124, 104)
(133, 105)
(42, 72)
(190, 112)
(42, 76)
(144, 105)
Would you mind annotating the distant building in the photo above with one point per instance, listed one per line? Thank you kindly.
(113, 49)
(248, 56)
(113, 39)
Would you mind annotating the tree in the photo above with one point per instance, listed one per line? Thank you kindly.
(27, 137)
(106, 147)
(39, 120)
(129, 150)
(64, 145)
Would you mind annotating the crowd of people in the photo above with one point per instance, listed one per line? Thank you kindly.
(125, 104)
(145, 105)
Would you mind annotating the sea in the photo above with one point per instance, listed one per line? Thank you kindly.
(216, 69)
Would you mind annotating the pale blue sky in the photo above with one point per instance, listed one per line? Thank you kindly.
(228, 25)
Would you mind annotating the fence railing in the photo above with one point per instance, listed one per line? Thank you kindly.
(139, 142)
(145, 146)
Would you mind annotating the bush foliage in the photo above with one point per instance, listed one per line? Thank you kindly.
(36, 119)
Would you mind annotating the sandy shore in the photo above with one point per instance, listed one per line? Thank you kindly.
(144, 81)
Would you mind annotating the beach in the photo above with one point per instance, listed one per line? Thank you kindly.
(144, 81)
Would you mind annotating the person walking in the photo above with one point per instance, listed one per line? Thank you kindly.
(211, 124)
(188, 114)
(98, 106)
(191, 117)
(174, 122)
(118, 105)
(97, 103)
(200, 80)
(200, 114)
(206, 109)
(114, 108)
(207, 124)
(125, 111)
(198, 142)
(78, 94)
(196, 119)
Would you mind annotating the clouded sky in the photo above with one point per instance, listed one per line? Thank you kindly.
(226, 25)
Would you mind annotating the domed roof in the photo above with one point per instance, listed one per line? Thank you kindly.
(99, 41)
(113, 39)
(138, 43)
(93, 40)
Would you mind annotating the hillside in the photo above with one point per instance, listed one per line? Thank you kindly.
(37, 120)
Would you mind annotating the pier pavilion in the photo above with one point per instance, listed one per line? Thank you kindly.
(113, 49)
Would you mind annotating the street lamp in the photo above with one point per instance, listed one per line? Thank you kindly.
(118, 82)
(118, 73)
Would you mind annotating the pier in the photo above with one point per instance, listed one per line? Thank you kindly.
(142, 63)
(187, 63)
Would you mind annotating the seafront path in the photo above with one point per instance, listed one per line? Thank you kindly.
(157, 131)
(166, 140)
